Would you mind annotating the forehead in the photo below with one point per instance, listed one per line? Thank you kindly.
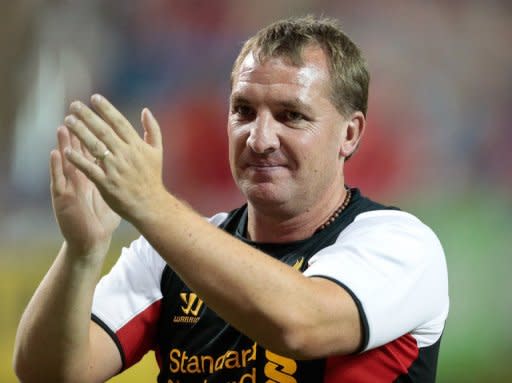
(279, 73)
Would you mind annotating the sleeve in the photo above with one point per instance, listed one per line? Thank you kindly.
(127, 301)
(394, 267)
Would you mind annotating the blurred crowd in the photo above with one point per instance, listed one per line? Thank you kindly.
(440, 95)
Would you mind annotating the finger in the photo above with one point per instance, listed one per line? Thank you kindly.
(95, 124)
(96, 147)
(114, 118)
(64, 141)
(91, 170)
(58, 181)
(100, 160)
(152, 133)
(62, 138)
(86, 153)
(75, 143)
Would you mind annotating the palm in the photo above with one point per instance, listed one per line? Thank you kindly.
(81, 212)
(84, 218)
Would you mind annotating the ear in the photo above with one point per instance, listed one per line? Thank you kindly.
(352, 134)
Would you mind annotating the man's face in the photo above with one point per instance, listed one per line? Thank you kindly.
(284, 133)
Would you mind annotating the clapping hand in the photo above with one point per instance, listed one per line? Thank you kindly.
(85, 220)
(125, 168)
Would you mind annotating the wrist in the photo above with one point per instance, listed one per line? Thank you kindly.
(150, 209)
(87, 254)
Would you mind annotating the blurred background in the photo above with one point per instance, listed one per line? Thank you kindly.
(438, 143)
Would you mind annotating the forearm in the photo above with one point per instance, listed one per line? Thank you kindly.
(244, 286)
(52, 341)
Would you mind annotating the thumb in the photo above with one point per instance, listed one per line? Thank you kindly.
(152, 134)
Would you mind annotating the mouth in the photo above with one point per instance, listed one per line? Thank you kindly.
(264, 166)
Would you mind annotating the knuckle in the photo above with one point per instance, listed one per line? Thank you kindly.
(112, 182)
(85, 112)
(80, 128)
(96, 148)
(118, 121)
(102, 134)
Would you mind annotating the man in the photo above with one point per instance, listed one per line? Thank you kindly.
(308, 282)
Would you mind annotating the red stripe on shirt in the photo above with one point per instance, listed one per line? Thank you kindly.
(382, 364)
(137, 336)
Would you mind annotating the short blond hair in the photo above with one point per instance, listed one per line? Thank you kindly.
(288, 38)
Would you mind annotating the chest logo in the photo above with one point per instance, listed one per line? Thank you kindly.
(191, 306)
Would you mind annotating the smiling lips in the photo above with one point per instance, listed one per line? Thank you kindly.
(263, 172)
(264, 165)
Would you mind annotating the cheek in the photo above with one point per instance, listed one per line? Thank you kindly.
(234, 153)
(233, 137)
(236, 144)
(322, 158)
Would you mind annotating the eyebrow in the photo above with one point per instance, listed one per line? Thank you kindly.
(294, 104)
(238, 99)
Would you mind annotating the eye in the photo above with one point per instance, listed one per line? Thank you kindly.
(292, 116)
(242, 111)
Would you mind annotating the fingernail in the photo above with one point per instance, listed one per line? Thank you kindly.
(67, 152)
(75, 106)
(70, 121)
(96, 99)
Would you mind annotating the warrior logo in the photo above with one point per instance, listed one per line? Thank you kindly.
(189, 299)
(191, 307)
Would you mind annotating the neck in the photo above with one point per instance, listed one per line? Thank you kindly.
(289, 226)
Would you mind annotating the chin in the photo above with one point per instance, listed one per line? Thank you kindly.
(265, 194)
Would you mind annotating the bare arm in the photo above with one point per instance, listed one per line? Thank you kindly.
(56, 340)
(268, 301)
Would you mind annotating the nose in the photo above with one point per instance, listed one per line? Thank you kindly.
(263, 137)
